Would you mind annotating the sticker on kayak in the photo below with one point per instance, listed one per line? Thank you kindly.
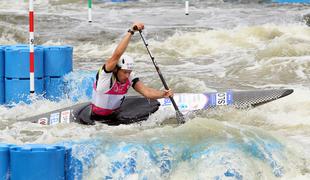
(54, 118)
(223, 99)
(186, 101)
(65, 116)
(43, 121)
(166, 102)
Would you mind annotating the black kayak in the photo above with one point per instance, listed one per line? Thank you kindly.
(136, 108)
(133, 109)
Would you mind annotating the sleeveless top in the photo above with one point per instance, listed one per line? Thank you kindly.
(108, 92)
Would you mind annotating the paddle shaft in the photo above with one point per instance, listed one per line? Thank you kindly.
(180, 116)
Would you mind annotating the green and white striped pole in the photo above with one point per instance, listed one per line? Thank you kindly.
(89, 11)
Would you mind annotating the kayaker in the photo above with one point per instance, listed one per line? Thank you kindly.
(114, 79)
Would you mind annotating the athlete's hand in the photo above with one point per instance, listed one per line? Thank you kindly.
(167, 93)
(137, 26)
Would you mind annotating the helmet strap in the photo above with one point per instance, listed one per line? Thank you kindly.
(116, 72)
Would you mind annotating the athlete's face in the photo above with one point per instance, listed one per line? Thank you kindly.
(123, 75)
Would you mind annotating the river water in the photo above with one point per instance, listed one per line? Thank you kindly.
(220, 45)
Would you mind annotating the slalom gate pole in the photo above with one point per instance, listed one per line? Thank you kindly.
(31, 45)
(89, 11)
(186, 8)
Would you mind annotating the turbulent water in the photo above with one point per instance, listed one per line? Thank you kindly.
(220, 45)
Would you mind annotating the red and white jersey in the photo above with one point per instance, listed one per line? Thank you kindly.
(108, 93)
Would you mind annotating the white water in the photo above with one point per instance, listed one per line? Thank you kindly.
(219, 46)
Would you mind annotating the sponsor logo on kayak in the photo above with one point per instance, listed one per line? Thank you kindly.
(43, 121)
(65, 116)
(54, 118)
(183, 106)
(167, 102)
(221, 99)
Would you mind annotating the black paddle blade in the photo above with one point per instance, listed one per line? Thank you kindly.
(180, 117)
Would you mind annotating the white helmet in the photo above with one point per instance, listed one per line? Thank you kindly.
(126, 62)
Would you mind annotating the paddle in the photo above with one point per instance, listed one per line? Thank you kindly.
(179, 115)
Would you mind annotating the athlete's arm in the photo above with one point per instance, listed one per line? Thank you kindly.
(120, 49)
(150, 92)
